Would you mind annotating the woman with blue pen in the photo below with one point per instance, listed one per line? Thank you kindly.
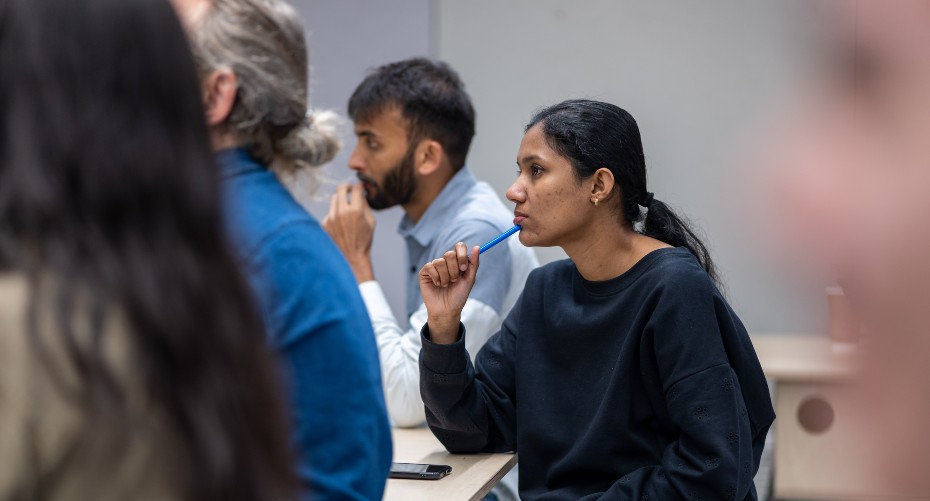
(622, 372)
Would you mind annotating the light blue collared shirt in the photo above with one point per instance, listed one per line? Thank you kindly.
(469, 211)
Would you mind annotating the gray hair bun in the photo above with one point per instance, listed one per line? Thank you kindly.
(312, 143)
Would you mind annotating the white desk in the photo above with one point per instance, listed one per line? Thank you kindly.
(817, 453)
(473, 475)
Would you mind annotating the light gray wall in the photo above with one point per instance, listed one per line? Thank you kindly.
(346, 38)
(694, 74)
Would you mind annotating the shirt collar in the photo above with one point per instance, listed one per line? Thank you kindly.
(435, 217)
(236, 161)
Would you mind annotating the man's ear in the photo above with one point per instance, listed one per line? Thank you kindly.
(428, 157)
(602, 184)
(219, 95)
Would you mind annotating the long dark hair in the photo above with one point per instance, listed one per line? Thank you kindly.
(594, 134)
(108, 188)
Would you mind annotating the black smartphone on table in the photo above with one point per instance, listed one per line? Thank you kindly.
(419, 471)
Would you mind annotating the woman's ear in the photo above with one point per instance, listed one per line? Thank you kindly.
(602, 184)
(428, 157)
(219, 95)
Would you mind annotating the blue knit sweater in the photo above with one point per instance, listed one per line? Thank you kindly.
(317, 322)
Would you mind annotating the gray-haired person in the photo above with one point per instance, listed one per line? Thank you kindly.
(253, 63)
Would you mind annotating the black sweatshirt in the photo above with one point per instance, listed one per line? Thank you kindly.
(644, 386)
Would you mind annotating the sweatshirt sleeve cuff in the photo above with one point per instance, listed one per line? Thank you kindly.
(443, 358)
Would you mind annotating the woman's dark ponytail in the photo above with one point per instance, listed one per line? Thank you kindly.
(594, 134)
(661, 223)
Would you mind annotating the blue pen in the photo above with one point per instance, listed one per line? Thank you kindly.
(498, 239)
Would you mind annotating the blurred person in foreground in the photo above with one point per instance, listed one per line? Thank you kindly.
(848, 186)
(621, 372)
(132, 364)
(253, 66)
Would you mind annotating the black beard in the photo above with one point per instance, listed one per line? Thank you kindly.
(398, 188)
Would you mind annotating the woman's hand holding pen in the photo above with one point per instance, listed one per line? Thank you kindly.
(445, 284)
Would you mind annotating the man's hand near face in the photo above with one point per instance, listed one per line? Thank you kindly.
(351, 225)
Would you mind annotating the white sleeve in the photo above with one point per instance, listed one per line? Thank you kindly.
(399, 351)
